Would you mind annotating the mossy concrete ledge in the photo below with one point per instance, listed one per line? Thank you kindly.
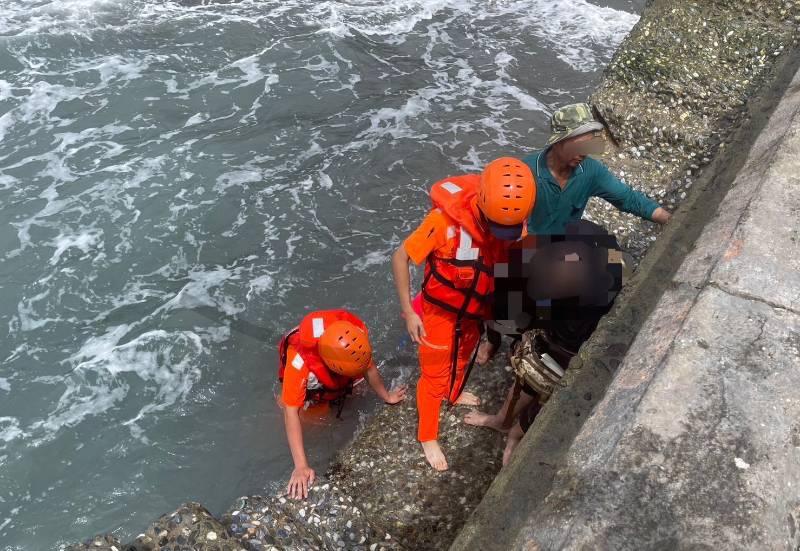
(679, 426)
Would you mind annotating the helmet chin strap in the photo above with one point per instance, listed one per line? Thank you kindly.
(483, 221)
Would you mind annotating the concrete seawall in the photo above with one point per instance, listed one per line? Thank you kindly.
(685, 112)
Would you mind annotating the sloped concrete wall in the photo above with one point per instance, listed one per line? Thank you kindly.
(697, 442)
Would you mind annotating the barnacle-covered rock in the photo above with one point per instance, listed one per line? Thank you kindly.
(675, 91)
(190, 526)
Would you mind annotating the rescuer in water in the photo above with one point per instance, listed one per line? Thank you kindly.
(319, 361)
(474, 218)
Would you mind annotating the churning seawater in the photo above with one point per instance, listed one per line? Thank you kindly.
(181, 182)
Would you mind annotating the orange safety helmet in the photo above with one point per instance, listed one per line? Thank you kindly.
(507, 191)
(345, 349)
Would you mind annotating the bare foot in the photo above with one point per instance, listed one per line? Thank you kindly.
(468, 399)
(486, 351)
(480, 419)
(434, 455)
(511, 445)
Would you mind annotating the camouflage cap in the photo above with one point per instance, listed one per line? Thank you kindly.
(572, 120)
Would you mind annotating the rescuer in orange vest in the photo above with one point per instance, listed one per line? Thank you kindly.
(319, 361)
(473, 220)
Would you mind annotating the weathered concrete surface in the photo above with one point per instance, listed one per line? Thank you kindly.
(696, 444)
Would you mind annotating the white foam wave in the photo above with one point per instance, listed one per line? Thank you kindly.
(9, 429)
(31, 17)
(197, 292)
(583, 34)
(251, 69)
(197, 118)
(260, 284)
(39, 103)
(6, 90)
(83, 241)
(98, 381)
(370, 260)
(395, 122)
(375, 18)
(237, 178)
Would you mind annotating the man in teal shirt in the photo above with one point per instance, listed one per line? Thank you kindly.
(566, 178)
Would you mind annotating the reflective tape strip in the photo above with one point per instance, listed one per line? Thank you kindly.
(464, 240)
(297, 362)
(451, 187)
(465, 249)
(318, 326)
(451, 232)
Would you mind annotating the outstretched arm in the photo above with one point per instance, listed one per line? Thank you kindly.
(302, 476)
(609, 187)
(375, 380)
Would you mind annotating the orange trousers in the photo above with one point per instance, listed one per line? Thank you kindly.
(435, 362)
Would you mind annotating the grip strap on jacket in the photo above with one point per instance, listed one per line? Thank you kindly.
(283, 350)
(470, 366)
(468, 295)
(456, 342)
(339, 402)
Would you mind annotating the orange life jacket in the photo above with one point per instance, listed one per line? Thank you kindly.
(304, 338)
(461, 282)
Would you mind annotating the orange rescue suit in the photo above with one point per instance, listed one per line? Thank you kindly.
(457, 287)
(305, 378)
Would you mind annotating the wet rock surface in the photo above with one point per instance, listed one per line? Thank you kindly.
(399, 493)
(191, 526)
(105, 542)
(672, 96)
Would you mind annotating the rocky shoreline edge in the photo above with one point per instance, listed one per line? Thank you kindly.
(673, 95)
